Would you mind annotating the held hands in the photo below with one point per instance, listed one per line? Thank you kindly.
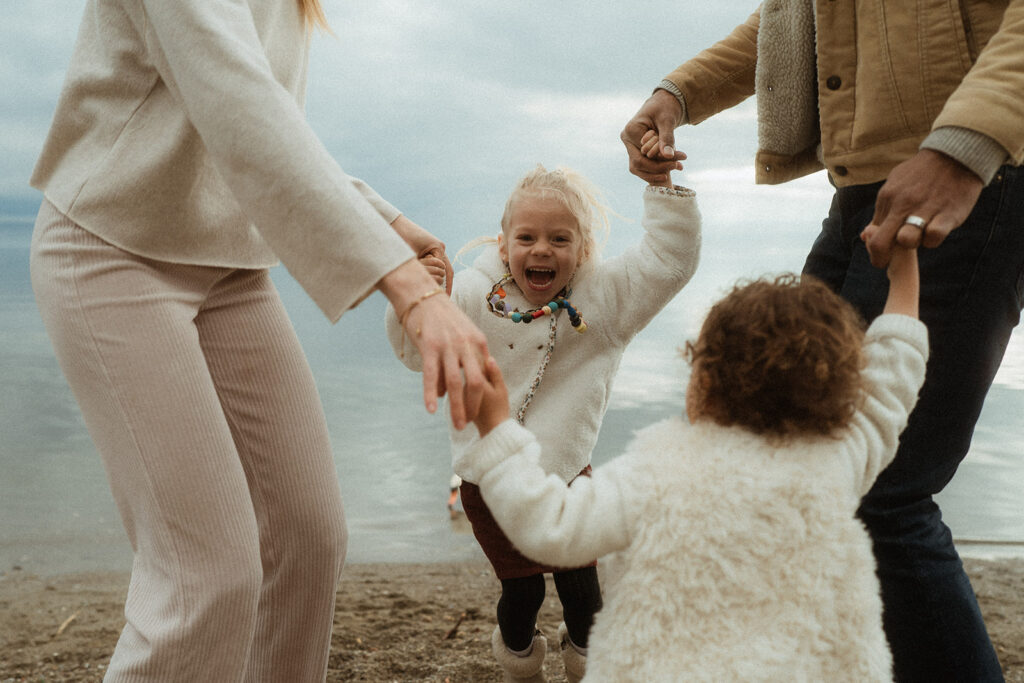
(904, 278)
(438, 267)
(649, 145)
(429, 250)
(659, 115)
(453, 350)
(494, 404)
(924, 199)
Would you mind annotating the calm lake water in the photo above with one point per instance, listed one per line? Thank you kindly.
(58, 515)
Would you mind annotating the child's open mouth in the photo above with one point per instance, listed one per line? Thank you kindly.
(540, 278)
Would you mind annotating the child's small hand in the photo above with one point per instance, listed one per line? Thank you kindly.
(494, 404)
(904, 282)
(436, 266)
(649, 147)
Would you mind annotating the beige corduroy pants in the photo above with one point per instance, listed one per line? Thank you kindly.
(202, 406)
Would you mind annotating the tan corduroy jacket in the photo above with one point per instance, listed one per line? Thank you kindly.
(886, 79)
(180, 136)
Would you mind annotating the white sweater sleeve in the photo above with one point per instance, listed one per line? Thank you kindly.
(325, 227)
(896, 350)
(639, 283)
(546, 520)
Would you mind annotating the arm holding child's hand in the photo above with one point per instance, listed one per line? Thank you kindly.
(451, 348)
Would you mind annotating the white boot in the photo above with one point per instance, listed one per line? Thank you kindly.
(528, 669)
(575, 662)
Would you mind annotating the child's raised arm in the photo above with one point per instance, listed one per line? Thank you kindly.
(904, 282)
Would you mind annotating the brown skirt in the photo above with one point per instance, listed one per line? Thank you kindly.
(508, 562)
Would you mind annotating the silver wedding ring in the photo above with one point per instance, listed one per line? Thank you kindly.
(916, 221)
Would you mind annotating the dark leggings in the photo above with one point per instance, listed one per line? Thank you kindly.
(521, 600)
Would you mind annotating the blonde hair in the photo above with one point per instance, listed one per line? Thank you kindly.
(581, 197)
(313, 12)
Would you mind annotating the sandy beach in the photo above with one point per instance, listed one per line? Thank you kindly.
(393, 622)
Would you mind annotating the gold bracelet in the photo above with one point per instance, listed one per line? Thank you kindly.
(414, 304)
(405, 314)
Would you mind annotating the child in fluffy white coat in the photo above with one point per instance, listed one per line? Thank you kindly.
(739, 557)
(557, 320)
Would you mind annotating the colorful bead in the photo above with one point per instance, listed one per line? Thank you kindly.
(501, 308)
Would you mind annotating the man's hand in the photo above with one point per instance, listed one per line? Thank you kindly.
(660, 113)
(494, 405)
(930, 186)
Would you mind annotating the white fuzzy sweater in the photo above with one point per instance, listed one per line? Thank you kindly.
(735, 560)
(617, 297)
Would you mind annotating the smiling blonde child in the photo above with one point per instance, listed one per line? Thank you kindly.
(557, 319)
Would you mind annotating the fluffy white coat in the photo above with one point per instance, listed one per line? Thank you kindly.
(737, 560)
(617, 297)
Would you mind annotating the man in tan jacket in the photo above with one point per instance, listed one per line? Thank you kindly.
(917, 113)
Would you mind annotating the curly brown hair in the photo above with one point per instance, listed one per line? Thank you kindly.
(780, 357)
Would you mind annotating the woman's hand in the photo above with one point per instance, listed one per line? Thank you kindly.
(452, 348)
(426, 247)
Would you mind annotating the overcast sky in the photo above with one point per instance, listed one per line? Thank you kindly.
(441, 106)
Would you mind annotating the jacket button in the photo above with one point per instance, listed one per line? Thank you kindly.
(840, 170)
(833, 82)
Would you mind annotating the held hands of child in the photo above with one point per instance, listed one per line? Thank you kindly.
(649, 147)
(904, 278)
(494, 404)
(904, 282)
(437, 266)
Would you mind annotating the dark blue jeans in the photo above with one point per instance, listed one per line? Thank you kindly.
(971, 298)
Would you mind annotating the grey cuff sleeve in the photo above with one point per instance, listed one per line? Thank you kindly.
(674, 89)
(977, 151)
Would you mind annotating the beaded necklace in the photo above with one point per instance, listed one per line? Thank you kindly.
(499, 307)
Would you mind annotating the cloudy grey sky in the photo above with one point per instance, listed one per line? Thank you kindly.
(441, 106)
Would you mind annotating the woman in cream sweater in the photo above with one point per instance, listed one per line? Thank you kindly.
(178, 169)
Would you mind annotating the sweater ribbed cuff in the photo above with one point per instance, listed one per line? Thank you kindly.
(911, 330)
(977, 151)
(674, 89)
(502, 442)
(674, 191)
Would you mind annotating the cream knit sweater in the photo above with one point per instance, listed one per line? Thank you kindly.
(617, 297)
(180, 136)
(736, 560)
